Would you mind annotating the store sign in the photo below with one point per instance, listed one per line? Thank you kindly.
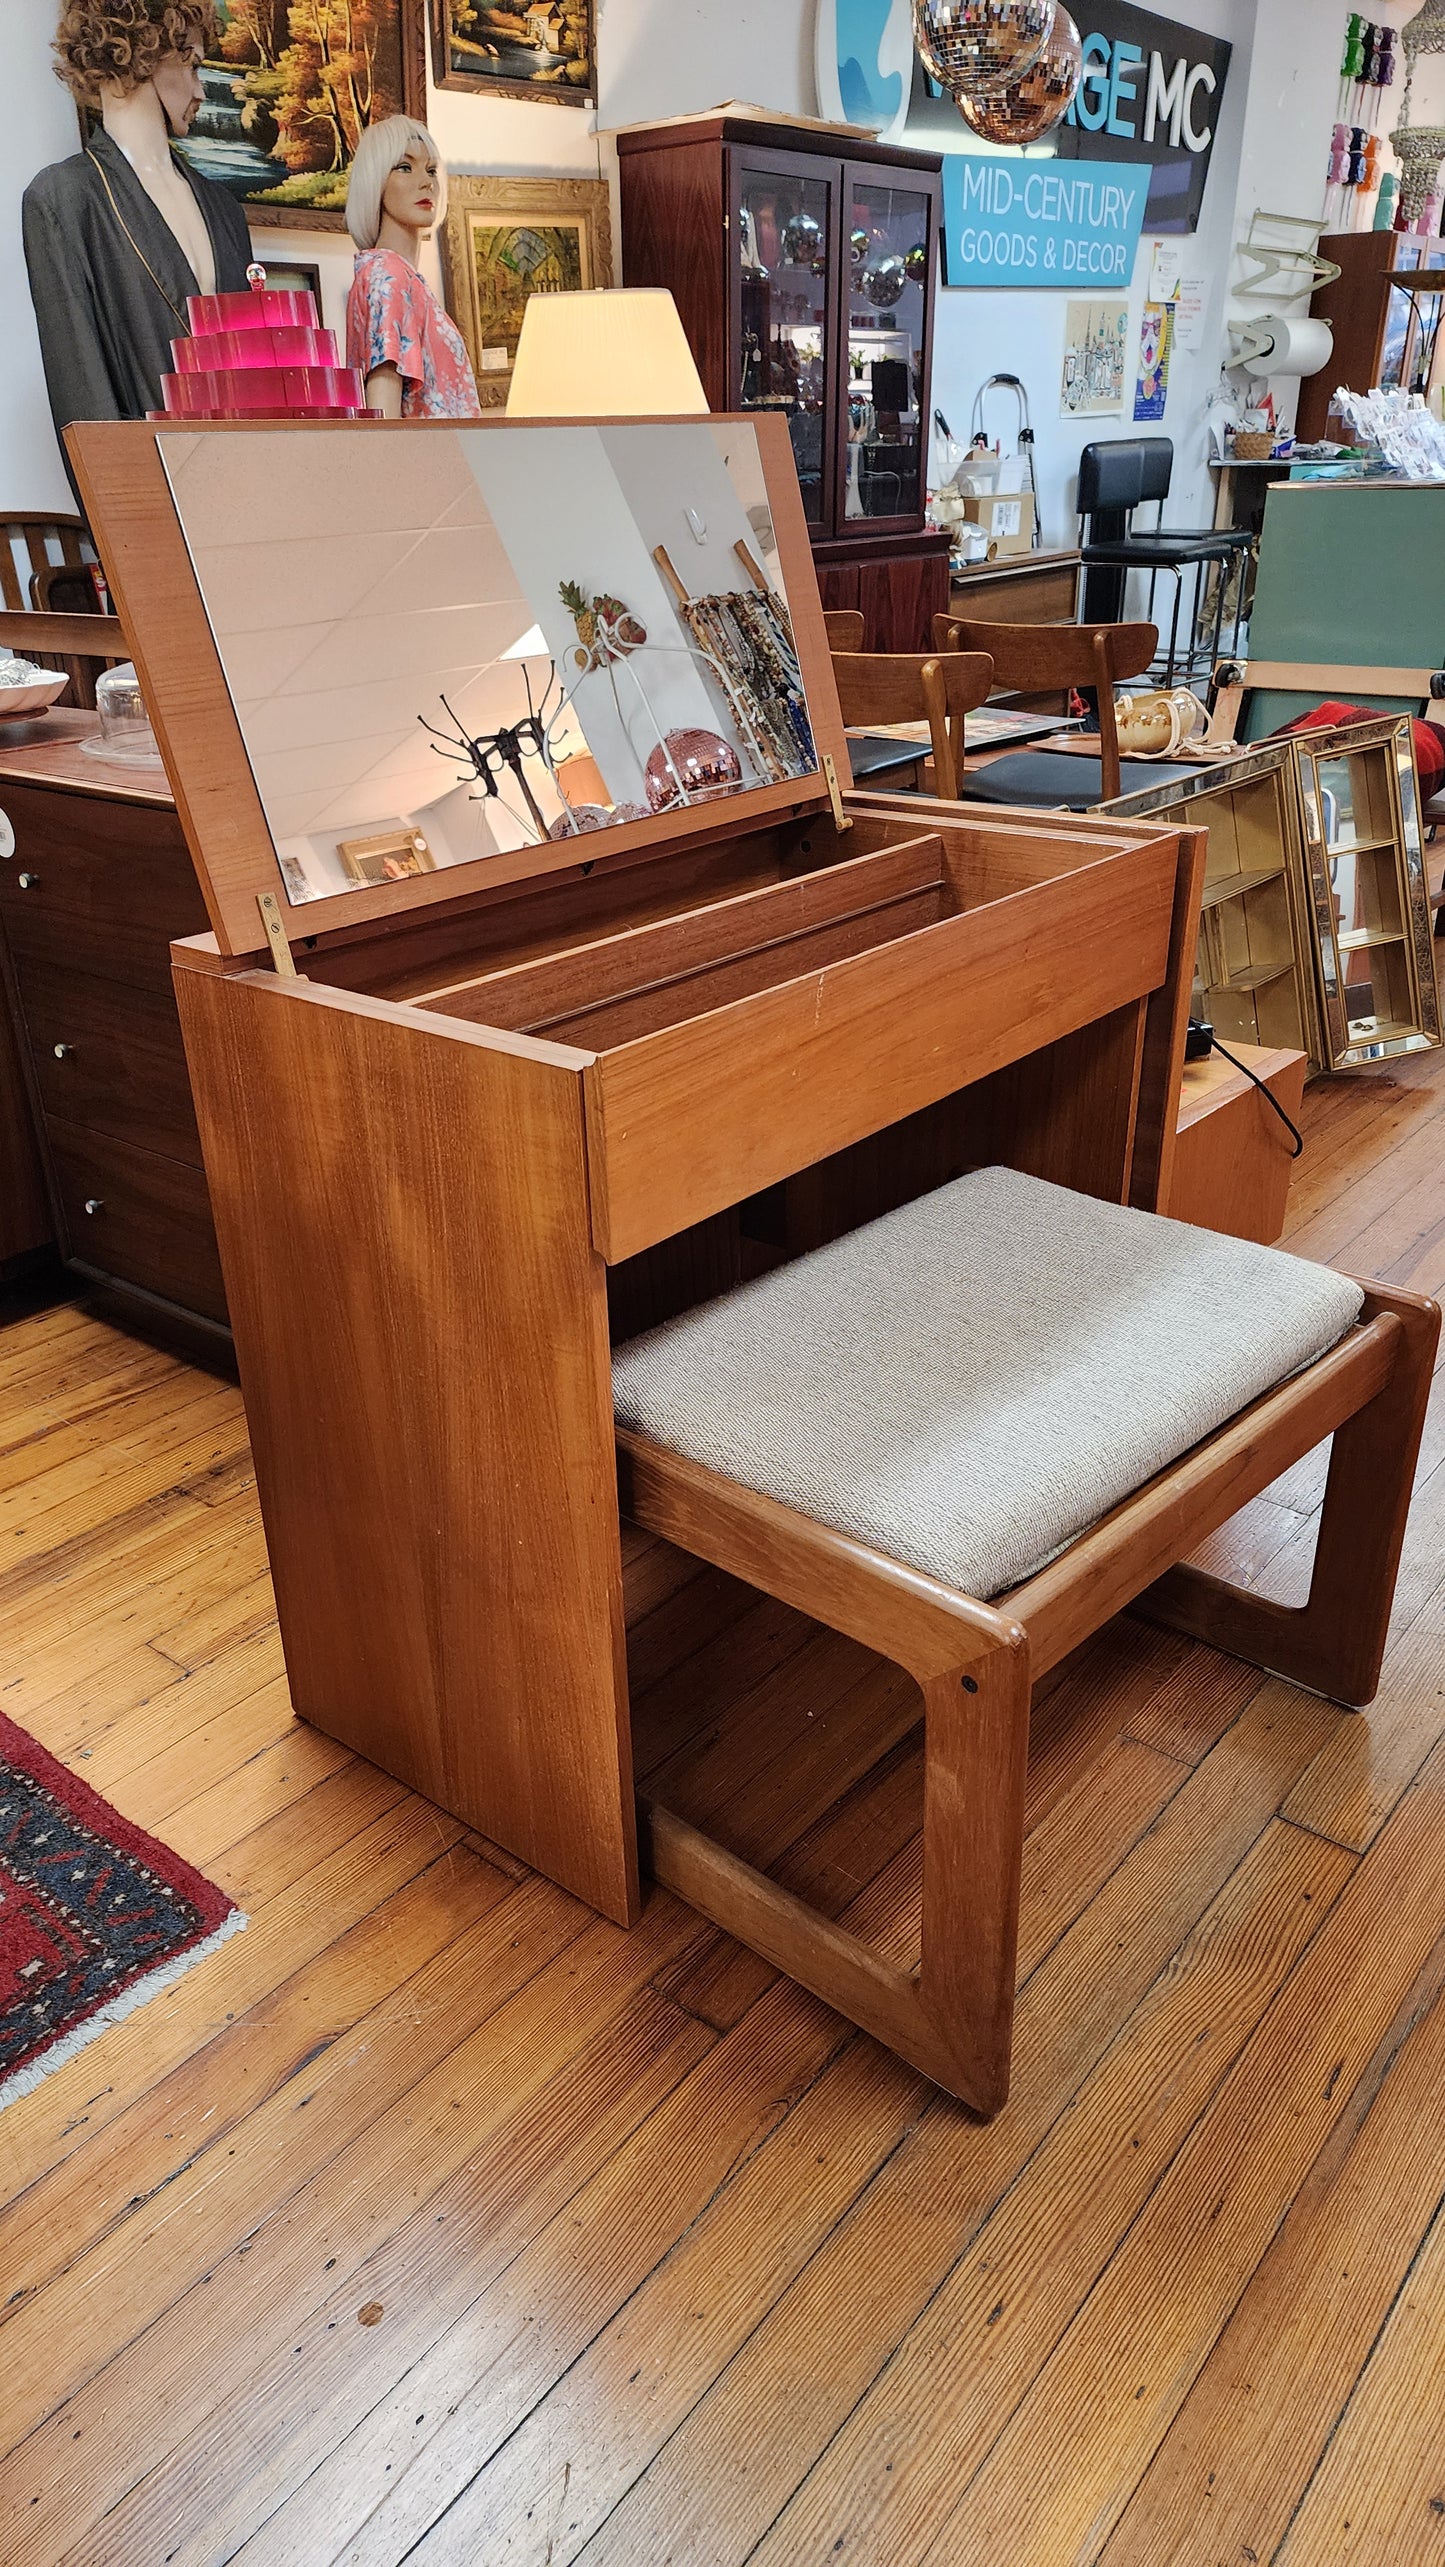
(1041, 222)
(1151, 93)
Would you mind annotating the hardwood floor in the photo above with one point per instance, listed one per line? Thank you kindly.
(433, 2219)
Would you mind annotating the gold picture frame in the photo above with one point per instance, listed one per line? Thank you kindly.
(523, 49)
(505, 239)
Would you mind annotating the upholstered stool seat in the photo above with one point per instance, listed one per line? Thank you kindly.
(969, 1383)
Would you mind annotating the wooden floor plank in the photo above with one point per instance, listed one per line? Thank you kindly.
(893, 2458)
(1231, 2471)
(1054, 2480)
(1378, 2495)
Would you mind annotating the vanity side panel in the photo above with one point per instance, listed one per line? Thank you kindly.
(421, 1326)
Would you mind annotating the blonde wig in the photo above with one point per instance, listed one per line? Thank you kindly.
(377, 154)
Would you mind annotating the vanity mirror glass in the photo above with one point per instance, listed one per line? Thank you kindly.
(455, 645)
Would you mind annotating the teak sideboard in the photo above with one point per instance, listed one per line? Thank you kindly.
(464, 1131)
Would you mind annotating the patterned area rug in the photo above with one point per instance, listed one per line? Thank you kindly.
(95, 1916)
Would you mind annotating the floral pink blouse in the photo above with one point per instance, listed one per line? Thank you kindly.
(393, 318)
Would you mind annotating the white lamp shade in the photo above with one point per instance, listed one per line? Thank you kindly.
(620, 353)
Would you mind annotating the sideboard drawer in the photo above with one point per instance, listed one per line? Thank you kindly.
(137, 1216)
(110, 1057)
(96, 886)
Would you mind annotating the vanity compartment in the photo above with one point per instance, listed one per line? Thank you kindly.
(729, 1049)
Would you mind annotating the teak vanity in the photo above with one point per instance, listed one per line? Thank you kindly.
(466, 1129)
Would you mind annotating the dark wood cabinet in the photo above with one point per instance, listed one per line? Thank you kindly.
(1385, 308)
(804, 263)
(95, 881)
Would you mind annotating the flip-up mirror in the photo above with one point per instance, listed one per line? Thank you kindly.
(456, 645)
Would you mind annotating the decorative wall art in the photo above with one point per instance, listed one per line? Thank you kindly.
(505, 239)
(1156, 340)
(290, 88)
(1095, 335)
(517, 48)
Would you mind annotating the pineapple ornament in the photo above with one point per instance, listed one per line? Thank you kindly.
(606, 629)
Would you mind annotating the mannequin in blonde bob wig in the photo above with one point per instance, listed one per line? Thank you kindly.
(408, 350)
(380, 149)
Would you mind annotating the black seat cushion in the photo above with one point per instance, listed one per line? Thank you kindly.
(1159, 551)
(1051, 779)
(874, 755)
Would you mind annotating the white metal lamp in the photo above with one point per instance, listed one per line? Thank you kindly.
(620, 353)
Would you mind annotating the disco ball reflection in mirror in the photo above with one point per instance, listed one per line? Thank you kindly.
(1031, 106)
(980, 46)
(884, 282)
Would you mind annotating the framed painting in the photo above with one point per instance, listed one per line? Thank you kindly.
(516, 48)
(290, 87)
(506, 239)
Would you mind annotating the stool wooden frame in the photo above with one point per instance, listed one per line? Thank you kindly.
(591, 1069)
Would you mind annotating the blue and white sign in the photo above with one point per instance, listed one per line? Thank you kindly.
(1052, 223)
(1151, 93)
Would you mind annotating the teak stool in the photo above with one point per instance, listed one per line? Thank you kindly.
(1009, 1391)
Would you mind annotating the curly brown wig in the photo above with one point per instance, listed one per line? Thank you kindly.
(120, 44)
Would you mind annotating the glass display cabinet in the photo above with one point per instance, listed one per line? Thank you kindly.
(1315, 932)
(804, 264)
(1384, 308)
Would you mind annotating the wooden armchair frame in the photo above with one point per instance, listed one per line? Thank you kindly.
(975, 1665)
(1034, 659)
(909, 686)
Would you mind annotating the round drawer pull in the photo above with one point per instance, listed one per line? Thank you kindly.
(94, 1203)
(64, 1051)
(27, 881)
(7, 835)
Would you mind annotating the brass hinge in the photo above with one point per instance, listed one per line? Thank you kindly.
(830, 778)
(281, 954)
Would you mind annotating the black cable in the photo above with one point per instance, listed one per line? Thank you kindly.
(1267, 1093)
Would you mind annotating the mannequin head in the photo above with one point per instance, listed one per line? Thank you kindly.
(108, 50)
(398, 187)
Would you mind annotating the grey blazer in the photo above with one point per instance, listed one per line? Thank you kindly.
(105, 326)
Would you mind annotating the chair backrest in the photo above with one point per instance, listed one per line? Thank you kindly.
(29, 546)
(876, 687)
(844, 627)
(1122, 474)
(1034, 659)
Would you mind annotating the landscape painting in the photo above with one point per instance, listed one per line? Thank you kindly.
(517, 48)
(290, 88)
(506, 239)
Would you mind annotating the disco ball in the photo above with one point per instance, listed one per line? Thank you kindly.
(1031, 106)
(980, 46)
(915, 264)
(884, 283)
(860, 243)
(802, 240)
(704, 761)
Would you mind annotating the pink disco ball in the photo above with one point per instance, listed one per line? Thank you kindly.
(703, 760)
(1033, 105)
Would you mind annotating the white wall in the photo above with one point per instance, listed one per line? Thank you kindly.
(664, 57)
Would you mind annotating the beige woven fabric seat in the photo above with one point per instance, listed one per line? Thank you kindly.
(971, 1382)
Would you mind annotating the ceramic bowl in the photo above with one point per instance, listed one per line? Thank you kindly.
(45, 686)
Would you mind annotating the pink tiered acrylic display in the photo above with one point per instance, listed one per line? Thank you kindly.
(260, 355)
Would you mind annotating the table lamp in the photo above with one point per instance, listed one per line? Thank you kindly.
(617, 353)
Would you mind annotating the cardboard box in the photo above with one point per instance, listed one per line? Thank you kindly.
(1007, 518)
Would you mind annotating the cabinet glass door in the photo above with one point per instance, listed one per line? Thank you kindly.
(786, 227)
(887, 255)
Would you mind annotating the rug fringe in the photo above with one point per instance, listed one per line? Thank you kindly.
(153, 1983)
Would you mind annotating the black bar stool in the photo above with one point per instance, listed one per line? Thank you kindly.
(1114, 480)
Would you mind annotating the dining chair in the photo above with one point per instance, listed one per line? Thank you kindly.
(877, 689)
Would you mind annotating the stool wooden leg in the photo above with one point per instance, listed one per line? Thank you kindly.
(1335, 1642)
(976, 1762)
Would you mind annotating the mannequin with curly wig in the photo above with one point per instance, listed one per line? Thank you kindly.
(119, 236)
